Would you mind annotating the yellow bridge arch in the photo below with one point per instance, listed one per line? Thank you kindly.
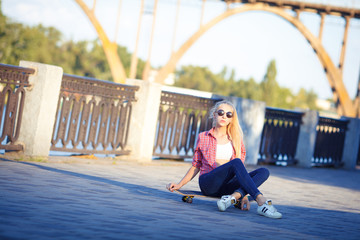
(333, 74)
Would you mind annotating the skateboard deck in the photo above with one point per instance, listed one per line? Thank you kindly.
(188, 196)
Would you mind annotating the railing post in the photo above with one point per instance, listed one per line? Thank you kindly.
(307, 137)
(143, 120)
(40, 108)
(351, 144)
(251, 118)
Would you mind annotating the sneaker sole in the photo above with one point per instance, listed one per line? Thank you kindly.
(270, 216)
(220, 207)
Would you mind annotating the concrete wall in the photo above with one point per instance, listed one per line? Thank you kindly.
(143, 120)
(351, 144)
(42, 97)
(307, 137)
(40, 108)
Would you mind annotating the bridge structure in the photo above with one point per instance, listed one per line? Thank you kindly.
(289, 10)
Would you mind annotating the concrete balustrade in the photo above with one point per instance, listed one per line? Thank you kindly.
(351, 145)
(42, 97)
(251, 116)
(306, 141)
(40, 108)
(143, 120)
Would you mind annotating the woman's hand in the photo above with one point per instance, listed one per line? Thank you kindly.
(191, 173)
(245, 204)
(172, 186)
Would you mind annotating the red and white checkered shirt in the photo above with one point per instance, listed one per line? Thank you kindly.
(205, 152)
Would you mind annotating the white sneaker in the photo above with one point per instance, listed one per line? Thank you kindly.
(225, 202)
(268, 210)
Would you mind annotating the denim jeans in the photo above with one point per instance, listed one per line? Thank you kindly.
(232, 177)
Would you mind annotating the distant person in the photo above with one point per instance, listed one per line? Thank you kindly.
(219, 157)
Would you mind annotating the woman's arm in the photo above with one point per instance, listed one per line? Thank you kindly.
(191, 173)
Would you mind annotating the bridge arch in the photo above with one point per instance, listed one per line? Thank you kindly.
(110, 48)
(333, 74)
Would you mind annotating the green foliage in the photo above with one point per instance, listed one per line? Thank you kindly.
(269, 86)
(268, 90)
(46, 45)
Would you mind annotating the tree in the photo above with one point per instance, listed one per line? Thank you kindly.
(46, 45)
(306, 100)
(200, 78)
(269, 86)
(247, 89)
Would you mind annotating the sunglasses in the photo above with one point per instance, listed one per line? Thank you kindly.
(221, 112)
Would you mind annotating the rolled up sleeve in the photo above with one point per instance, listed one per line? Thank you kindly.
(197, 155)
(243, 152)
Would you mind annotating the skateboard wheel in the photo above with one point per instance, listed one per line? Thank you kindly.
(189, 200)
(184, 198)
(237, 204)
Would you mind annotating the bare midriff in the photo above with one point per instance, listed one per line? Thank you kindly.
(220, 162)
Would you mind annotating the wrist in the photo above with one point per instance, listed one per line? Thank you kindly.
(244, 197)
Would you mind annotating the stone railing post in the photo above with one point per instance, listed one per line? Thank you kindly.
(40, 105)
(143, 120)
(351, 144)
(307, 139)
(251, 116)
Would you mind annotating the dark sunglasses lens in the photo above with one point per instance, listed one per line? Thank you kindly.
(229, 115)
(221, 112)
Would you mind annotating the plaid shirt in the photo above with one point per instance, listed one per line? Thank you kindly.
(205, 152)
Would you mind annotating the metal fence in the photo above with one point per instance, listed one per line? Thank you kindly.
(181, 119)
(330, 140)
(92, 116)
(279, 137)
(13, 81)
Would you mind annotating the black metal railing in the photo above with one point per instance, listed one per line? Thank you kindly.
(330, 140)
(13, 81)
(181, 119)
(279, 136)
(92, 116)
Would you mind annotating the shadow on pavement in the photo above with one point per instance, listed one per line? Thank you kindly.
(134, 188)
(323, 223)
(327, 176)
(315, 222)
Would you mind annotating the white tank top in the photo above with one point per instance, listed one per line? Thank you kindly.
(224, 151)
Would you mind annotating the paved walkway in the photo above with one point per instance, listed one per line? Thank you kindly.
(107, 199)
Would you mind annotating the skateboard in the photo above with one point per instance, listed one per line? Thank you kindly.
(189, 195)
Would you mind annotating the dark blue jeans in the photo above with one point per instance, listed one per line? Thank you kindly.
(232, 177)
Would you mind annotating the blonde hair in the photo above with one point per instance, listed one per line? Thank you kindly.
(233, 130)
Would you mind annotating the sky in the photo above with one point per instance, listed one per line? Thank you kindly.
(245, 42)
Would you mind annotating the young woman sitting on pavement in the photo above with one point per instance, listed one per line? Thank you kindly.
(219, 157)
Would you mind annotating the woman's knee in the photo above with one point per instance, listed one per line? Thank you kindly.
(264, 172)
(237, 161)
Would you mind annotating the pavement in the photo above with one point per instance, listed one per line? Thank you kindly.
(73, 198)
